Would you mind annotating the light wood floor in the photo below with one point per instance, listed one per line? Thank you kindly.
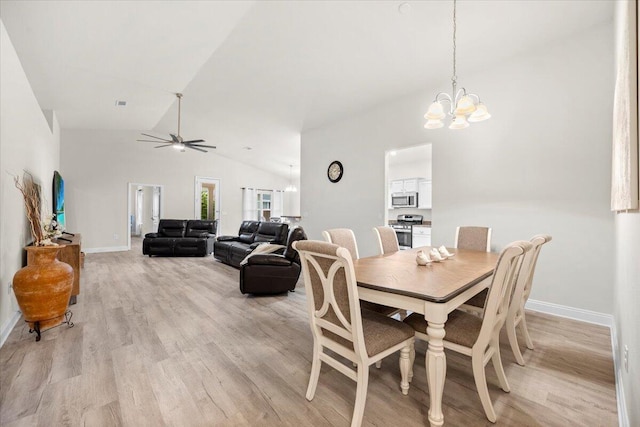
(171, 341)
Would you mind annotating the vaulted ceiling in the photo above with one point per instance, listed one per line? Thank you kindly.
(257, 74)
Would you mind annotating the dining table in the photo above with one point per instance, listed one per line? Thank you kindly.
(434, 290)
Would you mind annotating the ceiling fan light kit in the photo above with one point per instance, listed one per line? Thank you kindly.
(176, 141)
(463, 107)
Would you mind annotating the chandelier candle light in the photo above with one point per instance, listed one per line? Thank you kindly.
(290, 188)
(463, 107)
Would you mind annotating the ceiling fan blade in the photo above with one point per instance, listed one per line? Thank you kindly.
(193, 141)
(174, 138)
(202, 145)
(156, 137)
(195, 148)
(155, 142)
(165, 145)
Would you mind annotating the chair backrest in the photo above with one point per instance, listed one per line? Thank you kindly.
(343, 237)
(387, 239)
(296, 233)
(503, 280)
(332, 297)
(272, 232)
(523, 285)
(172, 227)
(200, 227)
(247, 231)
(474, 238)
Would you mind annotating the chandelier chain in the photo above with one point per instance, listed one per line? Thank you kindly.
(454, 77)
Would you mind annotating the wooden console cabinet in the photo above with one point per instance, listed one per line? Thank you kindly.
(71, 254)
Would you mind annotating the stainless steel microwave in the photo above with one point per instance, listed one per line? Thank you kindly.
(404, 200)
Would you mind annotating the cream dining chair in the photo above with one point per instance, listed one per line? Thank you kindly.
(480, 338)
(520, 296)
(474, 238)
(387, 239)
(345, 238)
(339, 325)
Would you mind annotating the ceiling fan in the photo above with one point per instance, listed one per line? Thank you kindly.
(176, 141)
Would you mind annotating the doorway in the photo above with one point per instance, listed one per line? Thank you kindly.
(207, 199)
(144, 210)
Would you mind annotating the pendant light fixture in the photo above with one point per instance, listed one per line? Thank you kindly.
(290, 188)
(463, 107)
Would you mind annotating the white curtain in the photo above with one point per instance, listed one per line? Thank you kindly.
(249, 204)
(624, 179)
(277, 204)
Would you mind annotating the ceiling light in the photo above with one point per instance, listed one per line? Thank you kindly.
(290, 188)
(463, 107)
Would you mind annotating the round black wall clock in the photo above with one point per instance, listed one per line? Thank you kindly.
(335, 171)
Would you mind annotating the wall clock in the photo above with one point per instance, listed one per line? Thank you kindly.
(335, 171)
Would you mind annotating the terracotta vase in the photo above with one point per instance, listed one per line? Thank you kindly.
(43, 288)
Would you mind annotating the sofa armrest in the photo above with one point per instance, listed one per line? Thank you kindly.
(227, 238)
(268, 259)
(152, 235)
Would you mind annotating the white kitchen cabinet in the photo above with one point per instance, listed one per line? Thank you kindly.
(397, 186)
(420, 236)
(405, 185)
(424, 194)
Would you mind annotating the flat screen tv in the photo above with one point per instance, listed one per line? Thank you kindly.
(58, 199)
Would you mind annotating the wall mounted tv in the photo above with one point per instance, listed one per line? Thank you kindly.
(58, 199)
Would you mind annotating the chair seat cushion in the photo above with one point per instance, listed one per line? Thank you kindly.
(461, 328)
(380, 333)
(378, 308)
(479, 299)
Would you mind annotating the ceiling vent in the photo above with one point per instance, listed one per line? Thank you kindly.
(121, 103)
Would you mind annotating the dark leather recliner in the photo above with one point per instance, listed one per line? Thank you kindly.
(181, 237)
(233, 249)
(273, 273)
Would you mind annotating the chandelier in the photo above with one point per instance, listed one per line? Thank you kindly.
(290, 188)
(463, 107)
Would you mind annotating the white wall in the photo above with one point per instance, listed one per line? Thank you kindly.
(26, 143)
(97, 166)
(626, 313)
(540, 165)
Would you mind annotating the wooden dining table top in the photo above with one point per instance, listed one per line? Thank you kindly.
(399, 273)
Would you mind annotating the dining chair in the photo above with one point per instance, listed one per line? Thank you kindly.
(521, 292)
(345, 238)
(387, 239)
(474, 238)
(480, 338)
(339, 325)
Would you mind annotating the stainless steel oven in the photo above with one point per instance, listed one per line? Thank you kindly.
(404, 237)
(404, 200)
(403, 228)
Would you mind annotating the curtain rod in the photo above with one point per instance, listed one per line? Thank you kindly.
(259, 189)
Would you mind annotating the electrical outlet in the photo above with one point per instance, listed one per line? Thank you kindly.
(115, 236)
(626, 358)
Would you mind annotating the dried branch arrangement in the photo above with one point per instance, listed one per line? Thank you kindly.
(31, 194)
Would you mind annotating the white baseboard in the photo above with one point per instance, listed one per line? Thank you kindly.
(623, 415)
(570, 312)
(8, 327)
(107, 249)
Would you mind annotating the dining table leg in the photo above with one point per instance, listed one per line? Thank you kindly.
(436, 367)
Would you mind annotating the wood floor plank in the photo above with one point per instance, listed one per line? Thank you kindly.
(172, 341)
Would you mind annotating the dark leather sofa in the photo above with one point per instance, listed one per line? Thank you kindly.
(233, 249)
(181, 237)
(273, 273)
